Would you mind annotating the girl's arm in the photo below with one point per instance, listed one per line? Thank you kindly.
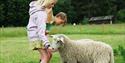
(41, 24)
(50, 17)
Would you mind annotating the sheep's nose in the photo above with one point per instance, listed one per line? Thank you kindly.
(52, 48)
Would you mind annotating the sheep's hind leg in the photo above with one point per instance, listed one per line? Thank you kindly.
(101, 60)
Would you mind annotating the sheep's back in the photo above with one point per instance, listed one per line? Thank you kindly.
(84, 50)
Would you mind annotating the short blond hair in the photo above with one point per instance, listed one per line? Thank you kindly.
(63, 16)
(44, 2)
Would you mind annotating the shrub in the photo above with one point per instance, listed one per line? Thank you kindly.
(85, 21)
(121, 16)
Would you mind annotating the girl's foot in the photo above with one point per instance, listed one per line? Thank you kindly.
(40, 61)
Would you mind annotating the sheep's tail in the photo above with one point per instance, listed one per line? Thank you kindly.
(111, 57)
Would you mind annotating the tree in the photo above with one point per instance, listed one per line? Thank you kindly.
(15, 12)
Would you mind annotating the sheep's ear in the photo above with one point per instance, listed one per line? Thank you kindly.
(51, 36)
(62, 39)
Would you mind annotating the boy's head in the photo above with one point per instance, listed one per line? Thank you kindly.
(61, 18)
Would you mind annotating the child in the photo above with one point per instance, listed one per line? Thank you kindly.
(36, 27)
(59, 19)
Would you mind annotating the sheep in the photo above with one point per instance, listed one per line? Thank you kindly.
(82, 51)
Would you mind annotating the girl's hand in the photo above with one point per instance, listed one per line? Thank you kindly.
(46, 32)
(49, 51)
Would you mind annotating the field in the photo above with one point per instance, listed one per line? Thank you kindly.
(14, 43)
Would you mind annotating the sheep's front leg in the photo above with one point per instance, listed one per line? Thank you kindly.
(65, 62)
(78, 62)
(72, 61)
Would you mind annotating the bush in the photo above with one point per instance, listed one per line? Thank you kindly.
(85, 21)
(120, 51)
(121, 16)
(115, 52)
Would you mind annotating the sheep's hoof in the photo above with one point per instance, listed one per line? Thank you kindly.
(65, 62)
(78, 62)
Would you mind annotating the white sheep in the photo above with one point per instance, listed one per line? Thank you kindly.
(82, 51)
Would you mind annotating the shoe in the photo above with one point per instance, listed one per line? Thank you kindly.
(40, 61)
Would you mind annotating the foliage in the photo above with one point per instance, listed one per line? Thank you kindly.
(85, 21)
(121, 15)
(15, 12)
(120, 51)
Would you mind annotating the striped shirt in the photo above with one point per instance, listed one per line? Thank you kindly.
(37, 23)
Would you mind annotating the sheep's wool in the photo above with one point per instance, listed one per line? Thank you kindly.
(86, 51)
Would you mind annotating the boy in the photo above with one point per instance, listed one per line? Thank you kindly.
(59, 19)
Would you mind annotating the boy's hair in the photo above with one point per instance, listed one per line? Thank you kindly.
(63, 16)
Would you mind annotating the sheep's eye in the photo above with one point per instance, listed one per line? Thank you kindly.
(58, 41)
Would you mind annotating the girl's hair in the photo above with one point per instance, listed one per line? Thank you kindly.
(44, 2)
(63, 16)
(33, 0)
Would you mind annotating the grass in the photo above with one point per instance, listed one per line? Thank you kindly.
(90, 29)
(12, 32)
(69, 29)
(14, 46)
(15, 49)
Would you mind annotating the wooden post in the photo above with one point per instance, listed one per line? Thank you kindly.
(110, 21)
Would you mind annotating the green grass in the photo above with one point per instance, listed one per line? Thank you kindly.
(69, 29)
(13, 32)
(90, 29)
(15, 49)
(14, 46)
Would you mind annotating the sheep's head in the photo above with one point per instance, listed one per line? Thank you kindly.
(58, 41)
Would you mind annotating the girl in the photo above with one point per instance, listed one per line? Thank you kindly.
(37, 26)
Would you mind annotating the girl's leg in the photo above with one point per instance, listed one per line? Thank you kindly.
(45, 55)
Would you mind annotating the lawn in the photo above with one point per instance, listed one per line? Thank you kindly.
(15, 49)
(68, 29)
(14, 46)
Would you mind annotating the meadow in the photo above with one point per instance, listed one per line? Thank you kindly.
(14, 46)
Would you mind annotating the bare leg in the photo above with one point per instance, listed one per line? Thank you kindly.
(45, 55)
